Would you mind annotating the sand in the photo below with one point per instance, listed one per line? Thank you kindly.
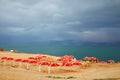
(94, 71)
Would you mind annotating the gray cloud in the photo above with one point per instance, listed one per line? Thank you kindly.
(46, 20)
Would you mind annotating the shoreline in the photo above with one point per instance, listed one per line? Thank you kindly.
(103, 53)
(94, 71)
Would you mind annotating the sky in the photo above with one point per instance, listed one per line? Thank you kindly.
(47, 21)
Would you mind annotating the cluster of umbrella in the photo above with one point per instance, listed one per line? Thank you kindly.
(94, 59)
(30, 60)
(68, 61)
(40, 61)
(91, 59)
(109, 61)
(45, 61)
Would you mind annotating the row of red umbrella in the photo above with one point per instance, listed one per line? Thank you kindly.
(67, 62)
(93, 59)
(30, 60)
(33, 60)
(109, 61)
(66, 58)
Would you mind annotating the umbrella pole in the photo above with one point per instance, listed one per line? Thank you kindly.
(48, 69)
(4, 62)
(13, 63)
(39, 68)
(27, 65)
(20, 65)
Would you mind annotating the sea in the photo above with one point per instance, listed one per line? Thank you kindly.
(104, 53)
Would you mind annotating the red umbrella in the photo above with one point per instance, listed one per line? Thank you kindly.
(77, 63)
(93, 59)
(71, 57)
(43, 64)
(36, 59)
(52, 65)
(60, 59)
(41, 57)
(86, 58)
(111, 61)
(33, 62)
(26, 61)
(4, 60)
(44, 56)
(103, 63)
(67, 58)
(11, 59)
(31, 58)
(20, 62)
(67, 64)
(64, 63)
(30, 62)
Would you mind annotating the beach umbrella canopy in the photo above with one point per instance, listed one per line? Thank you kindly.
(44, 63)
(10, 58)
(33, 62)
(59, 59)
(31, 58)
(4, 59)
(25, 61)
(67, 64)
(77, 63)
(64, 63)
(86, 58)
(103, 62)
(38, 58)
(93, 59)
(111, 61)
(66, 58)
(20, 61)
(52, 65)
(44, 56)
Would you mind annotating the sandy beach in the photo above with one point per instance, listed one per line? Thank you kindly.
(94, 71)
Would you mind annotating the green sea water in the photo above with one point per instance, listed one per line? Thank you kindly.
(104, 53)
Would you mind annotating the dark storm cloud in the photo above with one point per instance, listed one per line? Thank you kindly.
(46, 20)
